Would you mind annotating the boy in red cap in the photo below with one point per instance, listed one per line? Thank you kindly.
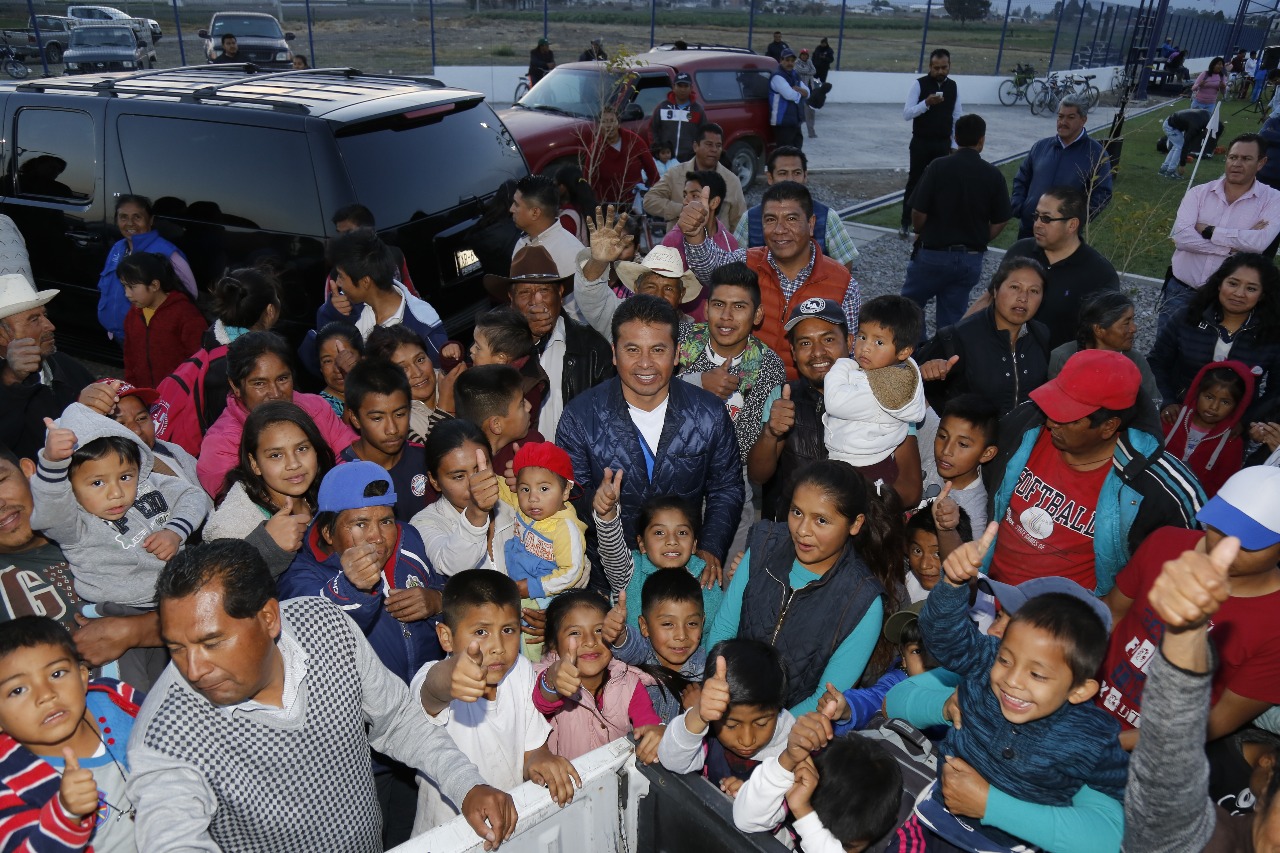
(1078, 484)
(547, 553)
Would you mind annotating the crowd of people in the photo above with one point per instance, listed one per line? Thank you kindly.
(710, 499)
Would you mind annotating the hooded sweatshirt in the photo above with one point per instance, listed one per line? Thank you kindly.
(107, 558)
(1219, 454)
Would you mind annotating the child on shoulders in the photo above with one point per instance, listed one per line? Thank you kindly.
(64, 773)
(481, 692)
(590, 698)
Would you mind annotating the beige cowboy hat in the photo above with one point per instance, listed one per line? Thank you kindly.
(530, 264)
(18, 295)
(665, 261)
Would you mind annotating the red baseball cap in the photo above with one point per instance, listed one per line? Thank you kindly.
(148, 396)
(1091, 379)
(543, 454)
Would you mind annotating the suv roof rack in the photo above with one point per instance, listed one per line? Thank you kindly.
(298, 91)
(697, 45)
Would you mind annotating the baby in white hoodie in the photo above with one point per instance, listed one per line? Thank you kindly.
(873, 398)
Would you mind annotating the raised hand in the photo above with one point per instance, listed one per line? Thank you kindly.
(615, 622)
(163, 544)
(720, 381)
(937, 369)
(782, 415)
(23, 357)
(468, 681)
(713, 703)
(483, 483)
(360, 565)
(605, 504)
(946, 512)
(345, 358)
(609, 237)
(963, 564)
(78, 790)
(694, 217)
(834, 706)
(565, 676)
(102, 397)
(339, 300)
(452, 350)
(287, 529)
(444, 388)
(647, 740)
(1191, 588)
(509, 472)
(59, 443)
(811, 732)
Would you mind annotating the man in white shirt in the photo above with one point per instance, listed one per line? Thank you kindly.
(932, 107)
(536, 212)
(1236, 213)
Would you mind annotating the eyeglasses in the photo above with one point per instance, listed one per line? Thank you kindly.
(1046, 218)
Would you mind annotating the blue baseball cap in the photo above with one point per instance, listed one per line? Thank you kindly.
(1247, 507)
(344, 487)
(1012, 597)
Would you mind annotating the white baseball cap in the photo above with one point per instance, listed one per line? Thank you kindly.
(1247, 507)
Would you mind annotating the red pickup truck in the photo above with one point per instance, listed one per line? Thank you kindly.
(551, 121)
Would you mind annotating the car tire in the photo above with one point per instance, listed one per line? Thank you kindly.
(743, 161)
(53, 53)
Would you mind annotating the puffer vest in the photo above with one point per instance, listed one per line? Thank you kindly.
(935, 122)
(805, 625)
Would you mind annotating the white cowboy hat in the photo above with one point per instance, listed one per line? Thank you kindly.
(18, 295)
(665, 261)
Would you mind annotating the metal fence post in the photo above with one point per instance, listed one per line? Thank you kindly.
(431, 17)
(35, 28)
(546, 29)
(1124, 37)
(751, 24)
(1093, 43)
(1075, 44)
(1053, 51)
(311, 39)
(924, 36)
(653, 21)
(840, 41)
(1003, 30)
(177, 26)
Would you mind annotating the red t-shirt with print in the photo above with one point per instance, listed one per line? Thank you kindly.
(1245, 631)
(1047, 529)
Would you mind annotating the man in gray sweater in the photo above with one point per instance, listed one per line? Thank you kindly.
(1167, 807)
(254, 738)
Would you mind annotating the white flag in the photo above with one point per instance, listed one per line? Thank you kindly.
(1214, 126)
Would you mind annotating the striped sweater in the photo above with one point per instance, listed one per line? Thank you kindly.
(31, 816)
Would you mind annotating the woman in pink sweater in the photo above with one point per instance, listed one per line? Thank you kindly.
(258, 370)
(1205, 91)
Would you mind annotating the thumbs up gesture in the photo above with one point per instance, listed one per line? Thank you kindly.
(78, 790)
(345, 358)
(694, 217)
(286, 528)
(782, 415)
(605, 504)
(469, 681)
(834, 705)
(564, 674)
(811, 733)
(713, 702)
(963, 564)
(1191, 588)
(339, 300)
(59, 443)
(946, 512)
(509, 473)
(936, 369)
(615, 622)
(484, 484)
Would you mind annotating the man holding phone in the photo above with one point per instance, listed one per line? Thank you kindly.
(932, 107)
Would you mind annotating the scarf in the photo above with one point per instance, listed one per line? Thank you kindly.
(698, 340)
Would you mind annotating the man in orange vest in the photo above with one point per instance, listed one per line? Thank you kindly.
(790, 264)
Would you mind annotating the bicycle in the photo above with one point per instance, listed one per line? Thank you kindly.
(522, 88)
(1011, 91)
(1086, 90)
(1053, 89)
(13, 66)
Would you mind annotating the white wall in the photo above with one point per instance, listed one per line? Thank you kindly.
(498, 82)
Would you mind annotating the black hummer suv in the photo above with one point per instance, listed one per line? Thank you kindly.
(248, 168)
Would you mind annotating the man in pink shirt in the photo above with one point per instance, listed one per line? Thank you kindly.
(1236, 213)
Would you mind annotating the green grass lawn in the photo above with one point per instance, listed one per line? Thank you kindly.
(1133, 232)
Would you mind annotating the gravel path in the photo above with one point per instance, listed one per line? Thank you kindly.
(882, 268)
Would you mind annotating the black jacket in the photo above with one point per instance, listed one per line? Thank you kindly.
(588, 359)
(987, 365)
(25, 405)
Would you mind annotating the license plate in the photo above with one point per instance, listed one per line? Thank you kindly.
(468, 261)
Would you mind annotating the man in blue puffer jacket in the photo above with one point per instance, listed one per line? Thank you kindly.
(1076, 488)
(668, 438)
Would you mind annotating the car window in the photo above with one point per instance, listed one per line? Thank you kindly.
(103, 37)
(241, 27)
(577, 92)
(480, 154)
(55, 154)
(204, 163)
(733, 85)
(651, 91)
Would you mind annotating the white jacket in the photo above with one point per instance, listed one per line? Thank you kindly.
(858, 429)
(680, 750)
(453, 544)
(758, 807)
